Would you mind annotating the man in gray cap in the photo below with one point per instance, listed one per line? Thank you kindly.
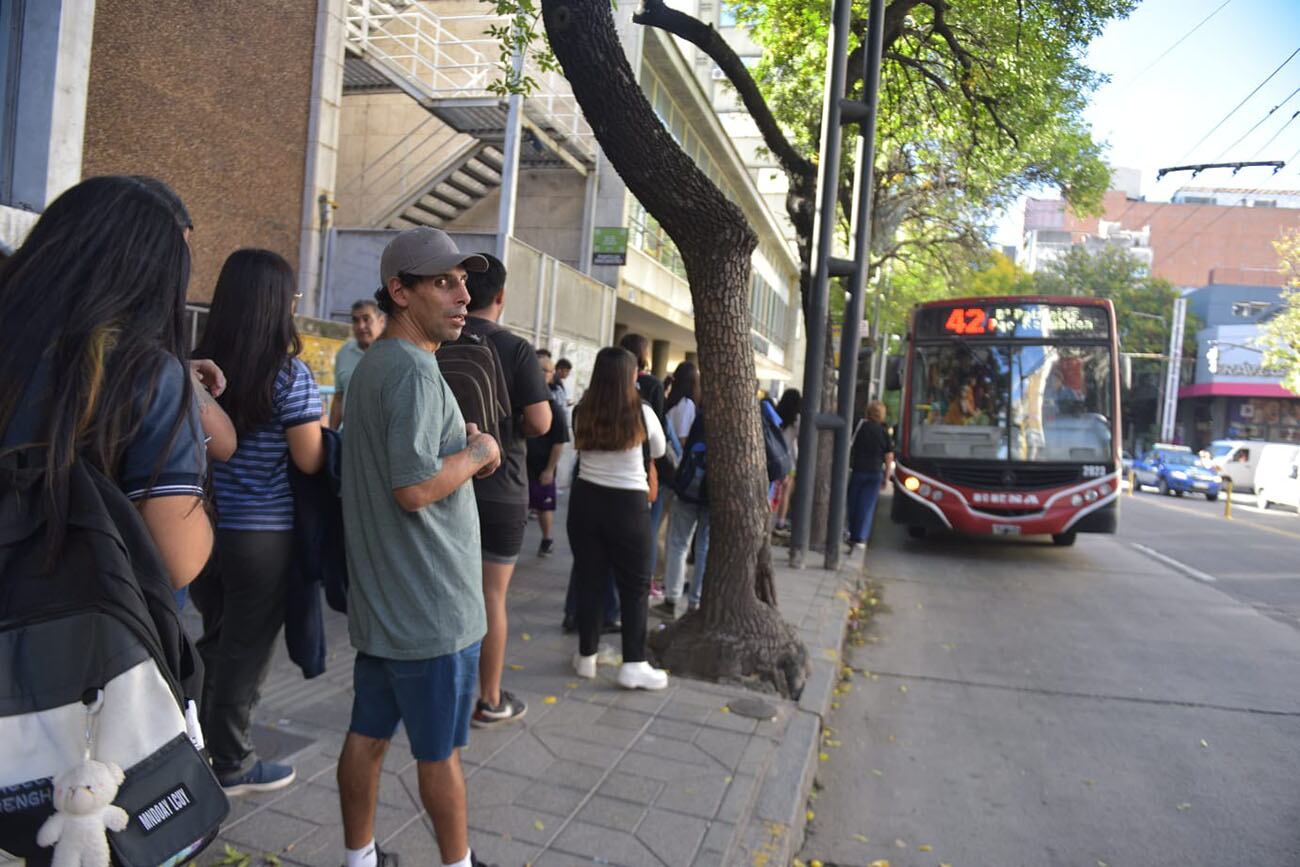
(415, 597)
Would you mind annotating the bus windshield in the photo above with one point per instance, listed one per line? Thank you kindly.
(1020, 402)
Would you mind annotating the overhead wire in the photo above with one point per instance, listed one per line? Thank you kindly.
(1177, 43)
(1238, 106)
(1257, 125)
(1275, 135)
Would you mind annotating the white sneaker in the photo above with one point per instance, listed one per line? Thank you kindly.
(585, 666)
(641, 675)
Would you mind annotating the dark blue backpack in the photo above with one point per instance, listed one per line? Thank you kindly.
(774, 447)
(690, 482)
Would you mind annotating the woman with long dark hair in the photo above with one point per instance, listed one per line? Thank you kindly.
(788, 409)
(609, 512)
(275, 406)
(92, 367)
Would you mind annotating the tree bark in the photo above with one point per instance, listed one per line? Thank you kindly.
(735, 635)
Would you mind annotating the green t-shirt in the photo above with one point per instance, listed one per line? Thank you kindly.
(415, 578)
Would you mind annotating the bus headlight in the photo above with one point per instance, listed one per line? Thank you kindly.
(911, 483)
(1076, 500)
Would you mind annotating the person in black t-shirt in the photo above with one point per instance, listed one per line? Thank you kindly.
(871, 463)
(503, 496)
(543, 457)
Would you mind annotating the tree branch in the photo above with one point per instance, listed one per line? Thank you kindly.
(655, 13)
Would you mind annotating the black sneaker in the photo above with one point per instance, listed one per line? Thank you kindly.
(547, 548)
(510, 708)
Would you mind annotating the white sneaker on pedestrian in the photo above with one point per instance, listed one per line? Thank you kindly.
(585, 666)
(641, 675)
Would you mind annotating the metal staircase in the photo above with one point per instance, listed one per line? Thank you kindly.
(446, 62)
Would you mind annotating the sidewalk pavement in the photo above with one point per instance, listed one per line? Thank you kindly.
(592, 774)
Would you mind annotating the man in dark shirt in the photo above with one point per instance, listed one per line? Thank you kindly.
(652, 390)
(503, 496)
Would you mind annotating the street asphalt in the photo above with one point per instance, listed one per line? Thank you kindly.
(1015, 703)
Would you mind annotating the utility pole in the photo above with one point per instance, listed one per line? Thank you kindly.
(837, 111)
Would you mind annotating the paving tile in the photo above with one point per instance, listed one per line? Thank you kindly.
(709, 858)
(646, 701)
(726, 748)
(666, 748)
(758, 754)
(488, 788)
(554, 858)
(740, 795)
(612, 813)
(701, 796)
(718, 837)
(525, 755)
(267, 831)
(621, 718)
(580, 749)
(689, 713)
(661, 769)
(630, 787)
(594, 733)
(594, 841)
(549, 798)
(732, 722)
(515, 823)
(675, 729)
(572, 774)
(672, 837)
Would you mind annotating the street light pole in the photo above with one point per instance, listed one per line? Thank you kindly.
(1160, 384)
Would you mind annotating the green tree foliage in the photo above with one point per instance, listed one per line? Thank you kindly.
(1114, 273)
(1281, 340)
(980, 102)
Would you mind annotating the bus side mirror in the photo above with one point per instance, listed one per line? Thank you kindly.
(1126, 371)
(893, 373)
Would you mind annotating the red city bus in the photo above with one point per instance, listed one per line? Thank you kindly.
(1009, 420)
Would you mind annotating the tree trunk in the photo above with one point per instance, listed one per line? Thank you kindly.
(735, 635)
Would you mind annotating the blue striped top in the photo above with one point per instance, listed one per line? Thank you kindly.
(252, 488)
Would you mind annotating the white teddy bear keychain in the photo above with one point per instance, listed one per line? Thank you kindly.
(83, 808)
(83, 805)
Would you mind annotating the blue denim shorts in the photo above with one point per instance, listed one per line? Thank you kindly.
(433, 698)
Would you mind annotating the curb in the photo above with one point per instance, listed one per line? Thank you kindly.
(774, 831)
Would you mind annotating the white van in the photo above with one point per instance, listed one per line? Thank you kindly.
(1277, 476)
(1237, 460)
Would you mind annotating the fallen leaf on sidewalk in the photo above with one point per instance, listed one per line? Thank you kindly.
(901, 844)
(538, 824)
(1204, 744)
(525, 636)
(824, 757)
(876, 772)
(725, 708)
(550, 699)
(514, 666)
(902, 688)
(810, 815)
(861, 838)
(573, 684)
(881, 863)
(1183, 808)
(925, 847)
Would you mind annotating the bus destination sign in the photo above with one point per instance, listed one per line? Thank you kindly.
(1013, 321)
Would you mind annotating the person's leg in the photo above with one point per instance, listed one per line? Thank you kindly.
(629, 539)
(681, 523)
(375, 714)
(590, 561)
(701, 555)
(437, 697)
(656, 517)
(254, 580)
(442, 792)
(501, 528)
(546, 521)
(870, 496)
(856, 507)
(611, 615)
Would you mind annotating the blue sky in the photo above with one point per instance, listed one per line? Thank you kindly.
(1152, 117)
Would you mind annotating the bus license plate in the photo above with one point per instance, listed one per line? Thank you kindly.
(1006, 529)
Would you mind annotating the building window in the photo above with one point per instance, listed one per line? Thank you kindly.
(645, 233)
(767, 310)
(1264, 203)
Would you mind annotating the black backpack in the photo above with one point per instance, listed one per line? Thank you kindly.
(477, 378)
(94, 637)
(690, 482)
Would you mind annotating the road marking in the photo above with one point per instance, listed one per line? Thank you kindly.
(1175, 564)
(1250, 524)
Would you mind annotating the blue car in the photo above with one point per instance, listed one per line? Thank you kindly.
(1176, 470)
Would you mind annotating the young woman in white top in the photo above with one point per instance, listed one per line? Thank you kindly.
(609, 513)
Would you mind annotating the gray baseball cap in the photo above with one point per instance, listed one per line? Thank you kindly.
(425, 252)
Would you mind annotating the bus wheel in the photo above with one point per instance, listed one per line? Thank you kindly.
(1064, 540)
(916, 532)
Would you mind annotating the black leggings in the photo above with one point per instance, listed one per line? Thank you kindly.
(609, 532)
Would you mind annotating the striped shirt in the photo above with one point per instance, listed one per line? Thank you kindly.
(252, 488)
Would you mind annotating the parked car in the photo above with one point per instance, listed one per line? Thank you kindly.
(1237, 460)
(1277, 477)
(1176, 470)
